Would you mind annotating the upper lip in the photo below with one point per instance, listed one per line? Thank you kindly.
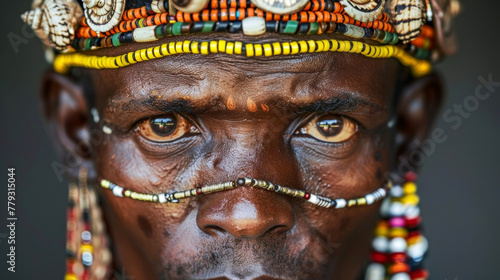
(262, 277)
(266, 277)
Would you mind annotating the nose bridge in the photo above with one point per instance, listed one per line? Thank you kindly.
(255, 151)
(247, 212)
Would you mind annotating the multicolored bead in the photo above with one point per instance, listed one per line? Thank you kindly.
(398, 245)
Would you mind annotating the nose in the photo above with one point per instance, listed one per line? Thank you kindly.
(246, 213)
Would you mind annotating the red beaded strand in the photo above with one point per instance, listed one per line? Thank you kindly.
(233, 14)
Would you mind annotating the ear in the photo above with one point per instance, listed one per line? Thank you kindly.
(66, 116)
(419, 103)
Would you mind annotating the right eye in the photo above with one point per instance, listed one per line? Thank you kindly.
(166, 128)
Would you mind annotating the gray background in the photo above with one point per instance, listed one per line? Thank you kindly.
(458, 183)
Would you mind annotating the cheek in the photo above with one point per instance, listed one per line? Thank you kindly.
(361, 171)
(149, 231)
(145, 226)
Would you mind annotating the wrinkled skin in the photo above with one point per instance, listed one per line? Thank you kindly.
(245, 233)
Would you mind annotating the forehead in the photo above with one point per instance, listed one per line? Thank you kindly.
(202, 83)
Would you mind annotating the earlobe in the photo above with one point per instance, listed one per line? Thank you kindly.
(66, 116)
(416, 111)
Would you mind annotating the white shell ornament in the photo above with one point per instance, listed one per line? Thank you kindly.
(103, 15)
(407, 18)
(363, 10)
(444, 13)
(190, 6)
(280, 6)
(54, 22)
(253, 26)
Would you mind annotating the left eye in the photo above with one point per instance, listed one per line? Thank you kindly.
(330, 128)
(165, 128)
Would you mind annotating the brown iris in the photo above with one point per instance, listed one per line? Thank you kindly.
(163, 126)
(330, 125)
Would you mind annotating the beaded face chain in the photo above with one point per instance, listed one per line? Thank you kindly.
(176, 196)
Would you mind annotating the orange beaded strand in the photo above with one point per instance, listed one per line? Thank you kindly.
(124, 26)
(425, 39)
(232, 14)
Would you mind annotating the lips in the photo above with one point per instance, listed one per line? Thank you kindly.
(266, 277)
(262, 277)
(247, 272)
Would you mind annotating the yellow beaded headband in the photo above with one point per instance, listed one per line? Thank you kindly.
(63, 62)
(413, 31)
(176, 196)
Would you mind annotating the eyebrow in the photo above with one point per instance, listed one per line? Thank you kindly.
(342, 102)
(178, 105)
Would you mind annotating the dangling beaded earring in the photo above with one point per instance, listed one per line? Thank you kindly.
(398, 247)
(87, 252)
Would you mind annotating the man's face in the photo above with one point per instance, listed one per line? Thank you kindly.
(317, 123)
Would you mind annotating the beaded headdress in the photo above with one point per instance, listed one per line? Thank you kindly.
(416, 32)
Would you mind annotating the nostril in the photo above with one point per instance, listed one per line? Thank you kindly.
(278, 229)
(248, 216)
(213, 229)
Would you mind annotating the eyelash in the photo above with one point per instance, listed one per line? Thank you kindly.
(305, 119)
(161, 148)
(331, 150)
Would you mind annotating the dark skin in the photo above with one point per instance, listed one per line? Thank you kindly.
(246, 113)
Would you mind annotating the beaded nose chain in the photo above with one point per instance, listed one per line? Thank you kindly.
(176, 196)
